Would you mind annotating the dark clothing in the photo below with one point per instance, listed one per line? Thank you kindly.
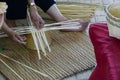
(17, 9)
(44, 4)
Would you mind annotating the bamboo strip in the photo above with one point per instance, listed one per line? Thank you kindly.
(11, 69)
(33, 35)
(25, 66)
(69, 24)
(60, 23)
(51, 71)
(45, 40)
(66, 47)
(83, 46)
(57, 55)
(39, 38)
(69, 41)
(66, 6)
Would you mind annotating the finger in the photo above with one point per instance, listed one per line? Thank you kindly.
(41, 25)
(19, 39)
(42, 22)
(37, 25)
(24, 38)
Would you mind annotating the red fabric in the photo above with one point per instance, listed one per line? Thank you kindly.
(107, 52)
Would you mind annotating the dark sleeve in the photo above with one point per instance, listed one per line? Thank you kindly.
(17, 9)
(44, 4)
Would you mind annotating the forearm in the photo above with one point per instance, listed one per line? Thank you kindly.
(13, 35)
(6, 29)
(32, 5)
(31, 1)
(36, 18)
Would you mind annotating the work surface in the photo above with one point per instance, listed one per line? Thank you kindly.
(72, 52)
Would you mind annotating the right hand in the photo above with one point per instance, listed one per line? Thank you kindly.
(36, 18)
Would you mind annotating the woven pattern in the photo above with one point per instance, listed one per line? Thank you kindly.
(90, 1)
(80, 1)
(72, 52)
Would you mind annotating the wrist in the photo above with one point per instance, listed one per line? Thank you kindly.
(32, 6)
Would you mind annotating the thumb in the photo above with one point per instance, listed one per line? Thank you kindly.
(19, 39)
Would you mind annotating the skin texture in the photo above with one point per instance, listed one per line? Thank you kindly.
(13, 35)
(1, 20)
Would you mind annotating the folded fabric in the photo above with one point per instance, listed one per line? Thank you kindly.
(1, 20)
(107, 52)
(3, 8)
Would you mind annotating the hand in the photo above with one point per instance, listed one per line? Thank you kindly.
(82, 26)
(17, 38)
(36, 18)
(14, 36)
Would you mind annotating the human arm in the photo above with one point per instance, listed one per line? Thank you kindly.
(36, 18)
(14, 36)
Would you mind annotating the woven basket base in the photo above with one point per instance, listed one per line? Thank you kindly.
(72, 52)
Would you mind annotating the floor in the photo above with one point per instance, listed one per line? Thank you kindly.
(2, 77)
(80, 76)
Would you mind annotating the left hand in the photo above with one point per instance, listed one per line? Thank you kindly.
(17, 38)
(13, 35)
(36, 18)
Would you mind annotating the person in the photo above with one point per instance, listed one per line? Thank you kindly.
(17, 9)
(14, 36)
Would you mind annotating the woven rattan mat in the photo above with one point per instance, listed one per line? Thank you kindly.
(72, 52)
